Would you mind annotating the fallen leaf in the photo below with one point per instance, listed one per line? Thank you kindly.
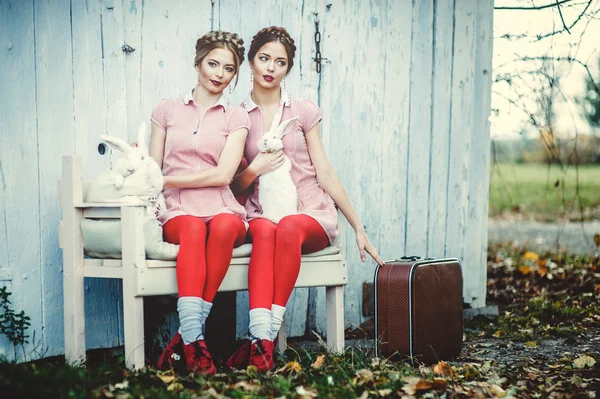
(531, 344)
(167, 377)
(377, 362)
(542, 270)
(319, 362)
(363, 376)
(414, 384)
(497, 391)
(122, 385)
(597, 240)
(542, 262)
(384, 392)
(531, 256)
(290, 367)
(497, 334)
(306, 393)
(106, 392)
(175, 386)
(485, 368)
(247, 386)
(583, 361)
(252, 371)
(525, 270)
(443, 369)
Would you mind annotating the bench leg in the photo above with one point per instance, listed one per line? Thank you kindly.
(72, 245)
(133, 306)
(282, 335)
(74, 317)
(133, 326)
(335, 318)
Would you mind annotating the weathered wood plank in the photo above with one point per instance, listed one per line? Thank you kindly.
(394, 143)
(419, 137)
(115, 86)
(19, 167)
(460, 137)
(475, 239)
(56, 137)
(88, 81)
(132, 37)
(169, 34)
(93, 76)
(441, 119)
(352, 87)
(305, 81)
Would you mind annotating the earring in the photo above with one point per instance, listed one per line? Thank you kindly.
(230, 89)
(251, 77)
(284, 86)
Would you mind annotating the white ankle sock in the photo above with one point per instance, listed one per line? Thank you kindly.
(190, 324)
(277, 313)
(206, 306)
(260, 323)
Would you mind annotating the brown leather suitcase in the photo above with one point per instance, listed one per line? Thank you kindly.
(418, 308)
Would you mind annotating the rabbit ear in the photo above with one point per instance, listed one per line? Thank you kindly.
(142, 138)
(286, 126)
(116, 143)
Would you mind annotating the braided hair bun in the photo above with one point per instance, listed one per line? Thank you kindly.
(220, 39)
(273, 34)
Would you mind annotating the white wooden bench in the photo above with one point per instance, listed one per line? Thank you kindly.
(142, 277)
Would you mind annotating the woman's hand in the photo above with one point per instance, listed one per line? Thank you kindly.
(365, 245)
(267, 162)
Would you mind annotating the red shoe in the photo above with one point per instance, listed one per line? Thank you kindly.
(198, 358)
(240, 357)
(171, 353)
(261, 355)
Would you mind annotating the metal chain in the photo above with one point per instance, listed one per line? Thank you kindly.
(318, 57)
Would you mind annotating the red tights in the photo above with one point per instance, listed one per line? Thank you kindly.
(204, 251)
(276, 255)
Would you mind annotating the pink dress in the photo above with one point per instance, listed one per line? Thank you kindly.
(313, 200)
(193, 143)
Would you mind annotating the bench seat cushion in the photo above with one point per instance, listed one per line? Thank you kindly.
(102, 239)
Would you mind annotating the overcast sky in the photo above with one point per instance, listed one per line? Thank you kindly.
(583, 43)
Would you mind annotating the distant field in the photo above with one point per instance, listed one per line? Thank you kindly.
(531, 190)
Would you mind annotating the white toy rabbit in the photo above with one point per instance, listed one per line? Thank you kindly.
(132, 159)
(134, 176)
(277, 193)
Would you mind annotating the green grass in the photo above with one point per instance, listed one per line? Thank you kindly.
(545, 193)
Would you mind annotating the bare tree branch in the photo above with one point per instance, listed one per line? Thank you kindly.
(565, 59)
(533, 8)
(561, 17)
(571, 26)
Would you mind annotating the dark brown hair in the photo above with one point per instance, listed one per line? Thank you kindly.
(273, 34)
(220, 39)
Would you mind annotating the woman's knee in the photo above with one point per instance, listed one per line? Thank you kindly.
(289, 231)
(225, 226)
(262, 229)
(191, 228)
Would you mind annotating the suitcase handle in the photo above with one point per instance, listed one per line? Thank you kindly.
(410, 257)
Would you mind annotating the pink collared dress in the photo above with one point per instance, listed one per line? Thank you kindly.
(313, 200)
(193, 143)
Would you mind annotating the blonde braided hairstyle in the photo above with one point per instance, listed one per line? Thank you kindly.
(273, 34)
(221, 39)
